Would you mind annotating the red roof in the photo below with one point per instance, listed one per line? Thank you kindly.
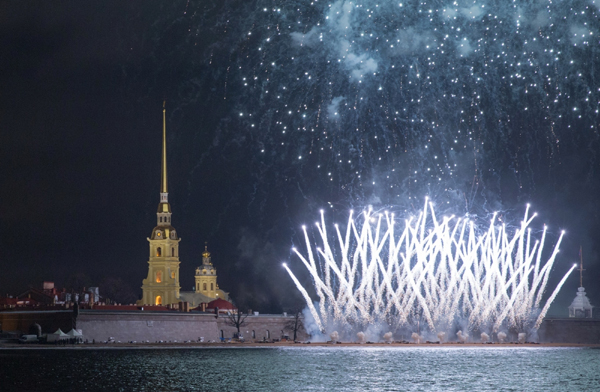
(221, 304)
(18, 301)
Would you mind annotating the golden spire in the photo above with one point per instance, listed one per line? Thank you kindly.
(164, 206)
(163, 183)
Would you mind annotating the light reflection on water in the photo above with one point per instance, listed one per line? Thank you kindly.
(302, 368)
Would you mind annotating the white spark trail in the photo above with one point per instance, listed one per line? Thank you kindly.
(439, 271)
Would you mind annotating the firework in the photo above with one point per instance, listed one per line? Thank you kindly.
(437, 270)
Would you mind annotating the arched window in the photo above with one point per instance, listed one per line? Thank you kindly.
(173, 252)
(158, 252)
(158, 300)
(211, 286)
(158, 276)
(173, 275)
(204, 286)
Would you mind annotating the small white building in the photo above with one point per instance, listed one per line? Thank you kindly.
(581, 307)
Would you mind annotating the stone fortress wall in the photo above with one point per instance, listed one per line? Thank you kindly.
(152, 326)
(146, 326)
(142, 326)
(570, 330)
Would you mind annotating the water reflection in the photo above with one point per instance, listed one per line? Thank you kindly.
(306, 369)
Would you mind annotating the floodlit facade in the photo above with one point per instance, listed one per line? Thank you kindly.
(161, 287)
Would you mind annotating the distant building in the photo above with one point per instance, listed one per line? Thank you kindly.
(162, 285)
(206, 288)
(49, 297)
(581, 306)
(39, 296)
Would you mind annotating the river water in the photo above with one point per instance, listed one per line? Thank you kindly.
(302, 369)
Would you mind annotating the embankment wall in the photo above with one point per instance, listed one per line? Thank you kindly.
(570, 330)
(152, 326)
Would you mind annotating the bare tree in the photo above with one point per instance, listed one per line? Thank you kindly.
(235, 318)
(296, 324)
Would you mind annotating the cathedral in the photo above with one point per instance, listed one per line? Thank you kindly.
(161, 286)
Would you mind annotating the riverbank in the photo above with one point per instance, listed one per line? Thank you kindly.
(233, 345)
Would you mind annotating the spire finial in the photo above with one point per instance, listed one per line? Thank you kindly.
(206, 255)
(163, 183)
(580, 267)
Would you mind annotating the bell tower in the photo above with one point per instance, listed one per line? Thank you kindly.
(161, 287)
(206, 276)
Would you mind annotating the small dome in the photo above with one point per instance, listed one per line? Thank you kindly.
(221, 304)
(163, 233)
(206, 269)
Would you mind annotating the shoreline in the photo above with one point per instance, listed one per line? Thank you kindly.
(192, 346)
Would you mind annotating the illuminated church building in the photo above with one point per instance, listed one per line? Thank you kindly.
(162, 286)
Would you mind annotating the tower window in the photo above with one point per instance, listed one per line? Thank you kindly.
(172, 275)
(160, 219)
(158, 300)
(212, 286)
(204, 286)
(173, 252)
(158, 252)
(159, 277)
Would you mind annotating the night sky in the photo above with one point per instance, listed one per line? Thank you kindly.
(277, 109)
